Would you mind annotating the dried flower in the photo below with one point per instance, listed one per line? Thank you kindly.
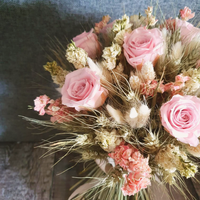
(77, 56)
(57, 73)
(110, 54)
(177, 52)
(121, 24)
(135, 82)
(40, 104)
(99, 26)
(115, 114)
(147, 73)
(108, 140)
(186, 14)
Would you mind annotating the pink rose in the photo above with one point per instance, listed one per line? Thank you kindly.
(82, 89)
(187, 30)
(143, 45)
(89, 42)
(40, 104)
(186, 14)
(181, 117)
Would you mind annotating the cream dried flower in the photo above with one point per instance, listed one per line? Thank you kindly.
(76, 56)
(119, 38)
(135, 82)
(115, 114)
(147, 73)
(108, 140)
(110, 54)
(177, 52)
(193, 85)
(149, 11)
(121, 24)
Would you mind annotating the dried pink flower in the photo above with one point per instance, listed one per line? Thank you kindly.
(134, 182)
(40, 104)
(148, 89)
(59, 112)
(186, 14)
(130, 159)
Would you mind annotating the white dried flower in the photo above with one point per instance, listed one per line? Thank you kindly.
(115, 114)
(108, 140)
(147, 72)
(133, 113)
(151, 21)
(112, 51)
(76, 56)
(149, 11)
(143, 115)
(121, 24)
(95, 67)
(119, 38)
(177, 52)
(135, 82)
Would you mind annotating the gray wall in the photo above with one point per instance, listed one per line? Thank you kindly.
(25, 29)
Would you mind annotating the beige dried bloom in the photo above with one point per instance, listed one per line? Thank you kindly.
(169, 177)
(177, 52)
(121, 24)
(193, 85)
(110, 54)
(115, 114)
(149, 11)
(138, 117)
(76, 56)
(134, 82)
(84, 139)
(90, 155)
(143, 115)
(171, 158)
(119, 38)
(137, 21)
(108, 140)
(147, 72)
(168, 158)
(152, 142)
(57, 73)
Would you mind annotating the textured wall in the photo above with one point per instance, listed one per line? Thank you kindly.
(25, 29)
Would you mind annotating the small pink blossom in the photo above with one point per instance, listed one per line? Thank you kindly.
(134, 182)
(186, 14)
(130, 159)
(40, 104)
(180, 117)
(177, 85)
(148, 89)
(59, 112)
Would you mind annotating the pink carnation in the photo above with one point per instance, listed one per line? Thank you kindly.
(186, 14)
(40, 104)
(180, 117)
(59, 112)
(130, 159)
(134, 182)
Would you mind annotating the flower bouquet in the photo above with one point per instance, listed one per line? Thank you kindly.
(130, 107)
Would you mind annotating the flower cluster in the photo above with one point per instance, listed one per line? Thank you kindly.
(133, 100)
(137, 166)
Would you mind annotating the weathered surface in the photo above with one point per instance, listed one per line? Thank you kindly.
(23, 174)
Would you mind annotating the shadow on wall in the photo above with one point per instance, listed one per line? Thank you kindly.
(24, 34)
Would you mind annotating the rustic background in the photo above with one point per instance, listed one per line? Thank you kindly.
(26, 27)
